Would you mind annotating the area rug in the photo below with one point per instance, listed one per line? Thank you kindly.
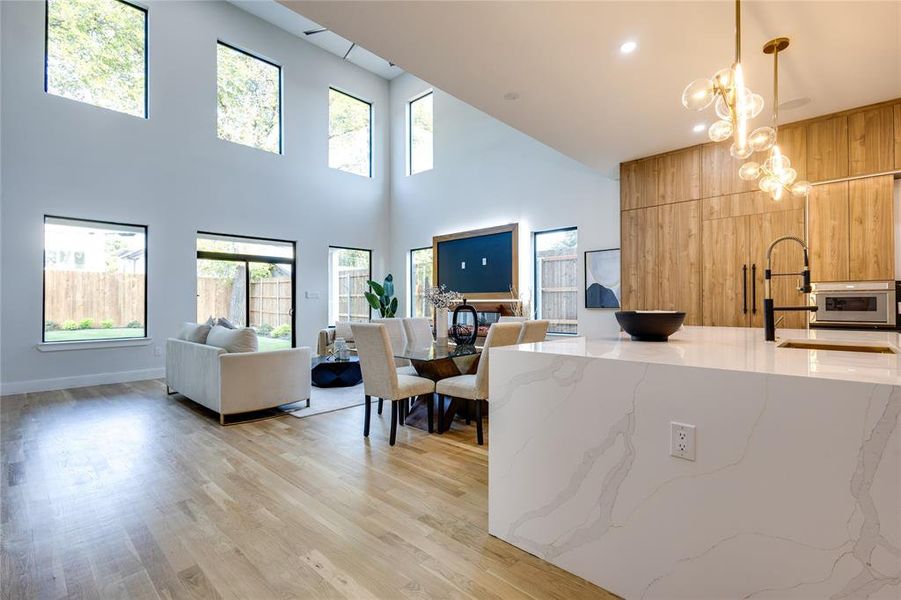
(325, 400)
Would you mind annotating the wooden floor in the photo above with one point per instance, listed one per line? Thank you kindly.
(121, 491)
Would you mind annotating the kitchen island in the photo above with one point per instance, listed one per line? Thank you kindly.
(795, 490)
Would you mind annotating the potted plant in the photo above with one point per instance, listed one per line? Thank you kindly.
(381, 296)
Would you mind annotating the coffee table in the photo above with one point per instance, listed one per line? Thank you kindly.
(330, 372)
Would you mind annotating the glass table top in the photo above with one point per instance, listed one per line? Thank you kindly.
(435, 351)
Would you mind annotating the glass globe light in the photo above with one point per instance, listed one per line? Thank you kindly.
(749, 171)
(698, 94)
(754, 105)
(722, 109)
(737, 152)
(776, 163)
(762, 138)
(723, 78)
(720, 131)
(801, 187)
(768, 184)
(777, 193)
(788, 176)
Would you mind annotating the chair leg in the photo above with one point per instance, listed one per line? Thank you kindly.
(308, 403)
(394, 418)
(366, 417)
(430, 398)
(440, 413)
(468, 411)
(479, 421)
(380, 406)
(403, 411)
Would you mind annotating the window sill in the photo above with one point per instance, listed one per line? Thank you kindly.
(93, 344)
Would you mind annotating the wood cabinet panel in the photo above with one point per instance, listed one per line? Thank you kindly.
(679, 259)
(748, 203)
(725, 272)
(638, 233)
(829, 232)
(871, 141)
(827, 149)
(897, 121)
(870, 231)
(679, 176)
(638, 184)
(793, 144)
(787, 258)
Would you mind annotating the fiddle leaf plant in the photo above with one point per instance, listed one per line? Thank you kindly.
(381, 296)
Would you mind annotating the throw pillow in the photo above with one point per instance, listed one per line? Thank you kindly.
(223, 322)
(343, 330)
(194, 332)
(233, 340)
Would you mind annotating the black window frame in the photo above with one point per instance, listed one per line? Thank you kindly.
(255, 258)
(44, 277)
(413, 273)
(368, 250)
(535, 305)
(281, 99)
(371, 115)
(410, 104)
(146, 12)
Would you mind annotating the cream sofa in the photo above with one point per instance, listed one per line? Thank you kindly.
(236, 382)
(327, 338)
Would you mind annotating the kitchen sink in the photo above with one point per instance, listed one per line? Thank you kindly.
(865, 347)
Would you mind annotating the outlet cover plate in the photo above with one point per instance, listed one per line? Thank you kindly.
(682, 440)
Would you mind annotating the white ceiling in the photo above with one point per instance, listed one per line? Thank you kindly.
(292, 22)
(578, 94)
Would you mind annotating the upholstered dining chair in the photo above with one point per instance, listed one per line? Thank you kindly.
(398, 337)
(381, 379)
(475, 387)
(419, 331)
(533, 331)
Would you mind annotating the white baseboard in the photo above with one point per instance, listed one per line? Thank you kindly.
(60, 383)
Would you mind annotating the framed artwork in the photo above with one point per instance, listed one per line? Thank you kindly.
(602, 278)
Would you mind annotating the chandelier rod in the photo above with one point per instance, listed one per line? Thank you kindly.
(737, 31)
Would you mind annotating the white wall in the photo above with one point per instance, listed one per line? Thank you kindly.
(487, 173)
(170, 172)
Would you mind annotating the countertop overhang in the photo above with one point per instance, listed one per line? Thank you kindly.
(742, 349)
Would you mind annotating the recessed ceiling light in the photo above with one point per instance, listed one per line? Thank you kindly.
(628, 47)
(699, 127)
(794, 103)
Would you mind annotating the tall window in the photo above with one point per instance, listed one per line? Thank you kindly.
(96, 52)
(557, 279)
(420, 281)
(250, 282)
(348, 271)
(419, 130)
(349, 133)
(95, 280)
(249, 99)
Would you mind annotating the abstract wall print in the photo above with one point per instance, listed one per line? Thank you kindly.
(602, 278)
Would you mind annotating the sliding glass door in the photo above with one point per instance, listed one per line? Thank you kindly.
(250, 282)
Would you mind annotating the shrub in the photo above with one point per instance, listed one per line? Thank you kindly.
(70, 325)
(51, 326)
(282, 331)
(264, 330)
(106, 324)
(134, 325)
(86, 323)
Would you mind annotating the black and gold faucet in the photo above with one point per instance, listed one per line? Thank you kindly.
(769, 310)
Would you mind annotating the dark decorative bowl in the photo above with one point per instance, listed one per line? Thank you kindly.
(650, 326)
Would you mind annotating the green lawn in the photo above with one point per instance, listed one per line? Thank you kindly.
(267, 343)
(80, 335)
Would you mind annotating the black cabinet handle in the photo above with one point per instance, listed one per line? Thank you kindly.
(744, 289)
(754, 288)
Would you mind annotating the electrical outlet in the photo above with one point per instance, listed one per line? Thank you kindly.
(682, 440)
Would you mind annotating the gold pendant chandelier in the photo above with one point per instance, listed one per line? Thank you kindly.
(735, 104)
(776, 175)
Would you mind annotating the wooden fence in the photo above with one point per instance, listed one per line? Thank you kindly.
(77, 295)
(558, 277)
(352, 304)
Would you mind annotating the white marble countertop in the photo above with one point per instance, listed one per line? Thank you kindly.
(743, 349)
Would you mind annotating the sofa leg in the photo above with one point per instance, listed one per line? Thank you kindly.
(366, 417)
(394, 418)
(170, 391)
(380, 406)
(479, 422)
(221, 419)
(308, 403)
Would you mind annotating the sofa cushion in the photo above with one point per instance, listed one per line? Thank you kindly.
(343, 330)
(194, 332)
(233, 340)
(225, 323)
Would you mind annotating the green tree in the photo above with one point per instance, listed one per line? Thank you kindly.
(248, 99)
